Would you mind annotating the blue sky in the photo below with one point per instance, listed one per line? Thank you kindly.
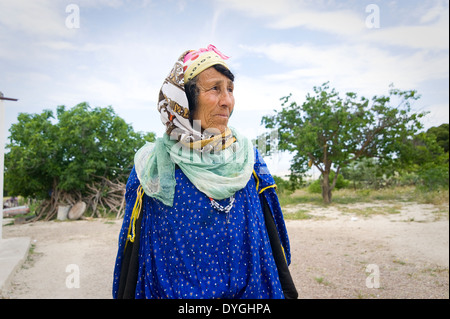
(122, 51)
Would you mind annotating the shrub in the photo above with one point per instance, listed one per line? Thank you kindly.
(316, 186)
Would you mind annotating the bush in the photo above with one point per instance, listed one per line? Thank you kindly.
(433, 177)
(284, 187)
(316, 186)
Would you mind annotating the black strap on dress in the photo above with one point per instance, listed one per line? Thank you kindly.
(287, 284)
(130, 266)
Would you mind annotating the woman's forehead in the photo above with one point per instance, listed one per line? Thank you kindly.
(211, 75)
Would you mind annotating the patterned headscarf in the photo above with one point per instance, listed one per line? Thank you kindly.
(173, 103)
(197, 61)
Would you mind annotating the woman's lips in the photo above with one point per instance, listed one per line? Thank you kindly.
(222, 115)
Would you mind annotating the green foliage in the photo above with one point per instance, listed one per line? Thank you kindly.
(424, 164)
(366, 172)
(31, 163)
(434, 177)
(347, 196)
(68, 153)
(427, 157)
(441, 135)
(285, 187)
(316, 186)
(329, 130)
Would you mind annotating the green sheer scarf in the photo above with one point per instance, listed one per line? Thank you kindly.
(217, 174)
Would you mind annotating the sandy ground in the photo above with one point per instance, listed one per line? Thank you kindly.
(338, 253)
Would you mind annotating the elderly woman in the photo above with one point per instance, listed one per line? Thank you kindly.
(202, 216)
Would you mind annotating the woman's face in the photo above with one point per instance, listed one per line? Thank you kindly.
(215, 100)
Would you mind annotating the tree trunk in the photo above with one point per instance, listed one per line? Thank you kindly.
(326, 188)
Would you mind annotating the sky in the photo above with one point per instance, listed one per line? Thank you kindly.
(118, 52)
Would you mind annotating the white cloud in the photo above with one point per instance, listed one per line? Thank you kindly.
(438, 11)
(47, 18)
(362, 68)
(439, 113)
(345, 22)
(433, 36)
(37, 17)
(284, 14)
(115, 4)
(263, 94)
(72, 46)
(429, 31)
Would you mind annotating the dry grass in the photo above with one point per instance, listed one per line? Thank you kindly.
(350, 196)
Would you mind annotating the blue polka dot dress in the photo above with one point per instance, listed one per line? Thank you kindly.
(192, 250)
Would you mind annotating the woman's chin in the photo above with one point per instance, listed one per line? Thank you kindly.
(216, 129)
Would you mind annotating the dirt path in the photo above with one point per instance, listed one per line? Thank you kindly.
(406, 254)
(334, 253)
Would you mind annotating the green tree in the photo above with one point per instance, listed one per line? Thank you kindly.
(328, 130)
(32, 163)
(441, 135)
(427, 155)
(367, 172)
(316, 186)
(48, 155)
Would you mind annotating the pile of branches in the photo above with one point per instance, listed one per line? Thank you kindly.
(102, 198)
(107, 195)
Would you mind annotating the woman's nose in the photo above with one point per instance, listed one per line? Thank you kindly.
(226, 99)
